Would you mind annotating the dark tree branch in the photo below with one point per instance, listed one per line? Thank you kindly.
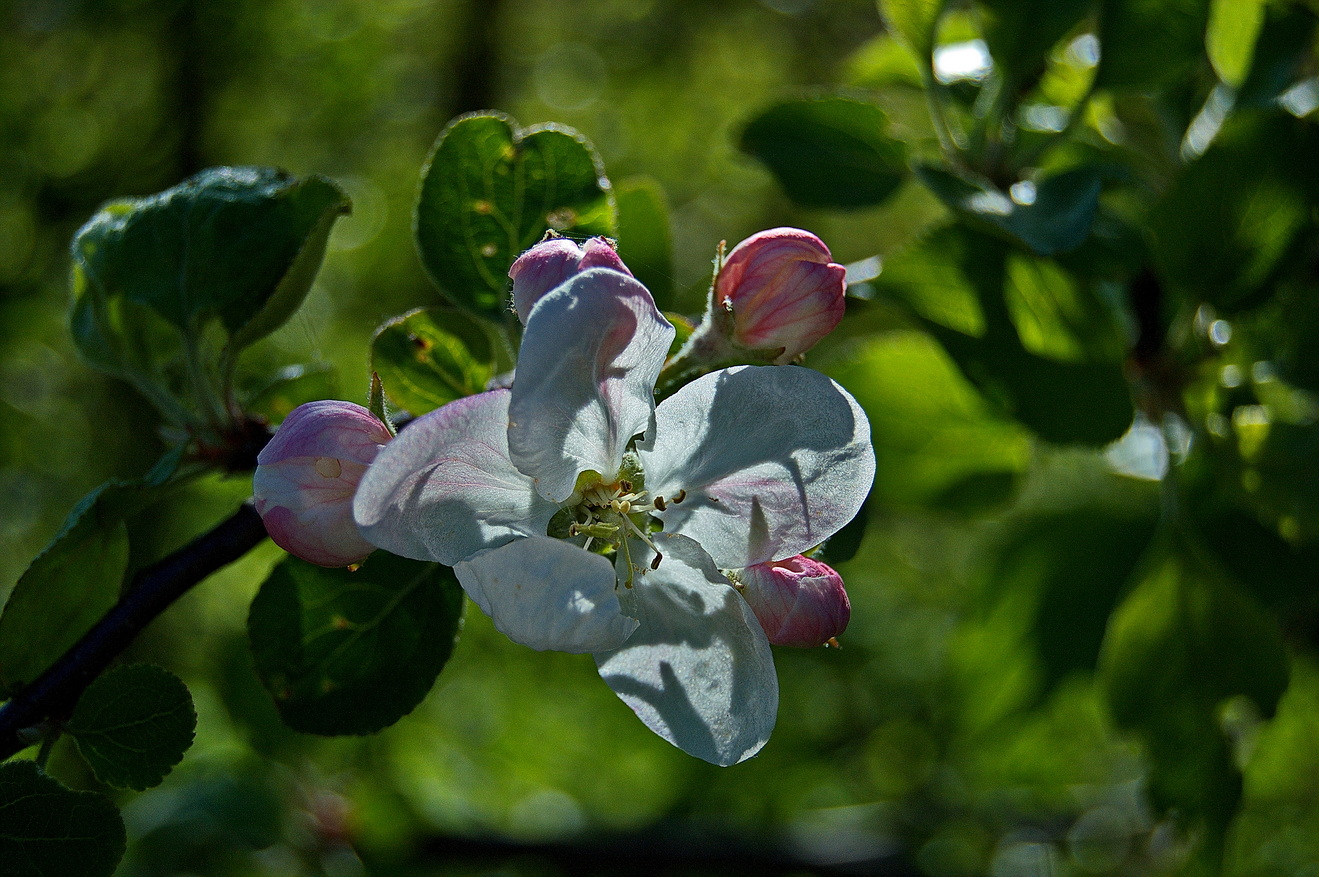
(54, 694)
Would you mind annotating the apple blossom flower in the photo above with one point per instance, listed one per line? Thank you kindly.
(306, 477)
(553, 261)
(799, 601)
(782, 290)
(581, 517)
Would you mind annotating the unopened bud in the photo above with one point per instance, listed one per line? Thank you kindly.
(782, 291)
(306, 477)
(553, 261)
(798, 601)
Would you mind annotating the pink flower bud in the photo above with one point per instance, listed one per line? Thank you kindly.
(551, 262)
(798, 601)
(306, 477)
(782, 291)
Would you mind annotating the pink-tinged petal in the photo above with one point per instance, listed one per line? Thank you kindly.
(306, 476)
(799, 601)
(328, 428)
(783, 290)
(552, 262)
(773, 460)
(445, 488)
(548, 594)
(698, 671)
(585, 379)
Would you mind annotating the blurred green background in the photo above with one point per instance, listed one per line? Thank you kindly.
(956, 732)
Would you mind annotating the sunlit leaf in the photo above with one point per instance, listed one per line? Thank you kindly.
(47, 829)
(1182, 643)
(914, 22)
(490, 190)
(936, 441)
(828, 152)
(1230, 40)
(430, 357)
(346, 651)
(133, 724)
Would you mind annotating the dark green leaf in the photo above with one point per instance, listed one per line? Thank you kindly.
(237, 245)
(1058, 220)
(1183, 642)
(828, 152)
(914, 23)
(75, 579)
(1020, 33)
(1131, 59)
(430, 357)
(47, 830)
(645, 242)
(352, 651)
(1240, 216)
(490, 190)
(133, 725)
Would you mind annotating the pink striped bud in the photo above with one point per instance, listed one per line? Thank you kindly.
(782, 290)
(306, 477)
(554, 261)
(798, 601)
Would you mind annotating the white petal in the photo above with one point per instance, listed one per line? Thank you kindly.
(585, 379)
(774, 460)
(698, 671)
(444, 488)
(548, 594)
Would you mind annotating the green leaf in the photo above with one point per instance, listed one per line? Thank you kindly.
(1020, 33)
(133, 725)
(1182, 643)
(48, 830)
(936, 441)
(75, 579)
(1130, 59)
(1280, 54)
(1073, 567)
(1058, 220)
(914, 23)
(352, 651)
(645, 242)
(1239, 217)
(490, 190)
(237, 246)
(828, 152)
(432, 356)
(958, 281)
(1230, 41)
